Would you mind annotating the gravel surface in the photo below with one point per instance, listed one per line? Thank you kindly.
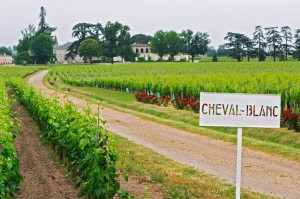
(261, 172)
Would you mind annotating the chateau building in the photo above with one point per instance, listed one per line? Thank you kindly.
(144, 50)
(60, 52)
(6, 59)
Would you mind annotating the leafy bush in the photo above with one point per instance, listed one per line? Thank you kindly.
(291, 119)
(141, 59)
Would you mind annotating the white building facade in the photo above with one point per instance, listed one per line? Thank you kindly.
(60, 52)
(144, 50)
(6, 59)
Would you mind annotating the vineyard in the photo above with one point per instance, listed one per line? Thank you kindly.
(9, 163)
(185, 80)
(79, 138)
(7, 72)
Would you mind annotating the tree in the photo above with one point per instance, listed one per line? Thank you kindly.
(273, 41)
(90, 48)
(297, 43)
(236, 42)
(28, 34)
(195, 44)
(43, 27)
(287, 36)
(23, 58)
(174, 44)
(116, 40)
(82, 31)
(42, 48)
(141, 39)
(248, 45)
(259, 42)
(4, 50)
(158, 43)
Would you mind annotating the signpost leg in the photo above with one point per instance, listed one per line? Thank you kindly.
(239, 163)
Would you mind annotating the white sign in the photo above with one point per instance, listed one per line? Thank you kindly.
(240, 110)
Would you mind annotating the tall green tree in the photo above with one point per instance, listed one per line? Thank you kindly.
(287, 36)
(236, 45)
(259, 43)
(43, 27)
(42, 48)
(297, 43)
(28, 34)
(141, 39)
(174, 43)
(116, 40)
(248, 46)
(274, 41)
(82, 31)
(158, 43)
(195, 44)
(90, 48)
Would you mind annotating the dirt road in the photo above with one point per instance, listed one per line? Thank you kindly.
(261, 172)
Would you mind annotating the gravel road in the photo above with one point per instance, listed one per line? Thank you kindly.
(261, 172)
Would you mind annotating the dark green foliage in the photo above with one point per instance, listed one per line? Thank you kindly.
(287, 36)
(140, 39)
(116, 40)
(215, 58)
(237, 43)
(90, 48)
(43, 27)
(297, 44)
(23, 58)
(274, 41)
(42, 48)
(158, 43)
(4, 50)
(195, 44)
(83, 31)
(259, 43)
(28, 35)
(174, 44)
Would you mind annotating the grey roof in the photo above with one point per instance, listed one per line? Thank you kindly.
(65, 46)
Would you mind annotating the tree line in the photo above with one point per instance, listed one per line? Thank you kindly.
(113, 39)
(271, 41)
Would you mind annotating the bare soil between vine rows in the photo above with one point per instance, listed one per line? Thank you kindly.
(43, 177)
(261, 172)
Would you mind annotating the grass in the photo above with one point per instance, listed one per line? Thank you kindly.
(274, 141)
(175, 180)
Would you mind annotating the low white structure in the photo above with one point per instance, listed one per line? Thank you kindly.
(6, 59)
(144, 50)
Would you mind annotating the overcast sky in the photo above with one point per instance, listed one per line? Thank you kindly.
(216, 17)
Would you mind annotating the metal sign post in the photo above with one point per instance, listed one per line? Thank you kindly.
(239, 163)
(239, 110)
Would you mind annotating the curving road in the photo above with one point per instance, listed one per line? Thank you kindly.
(261, 172)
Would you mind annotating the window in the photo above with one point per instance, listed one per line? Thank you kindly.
(147, 50)
(142, 50)
(137, 50)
